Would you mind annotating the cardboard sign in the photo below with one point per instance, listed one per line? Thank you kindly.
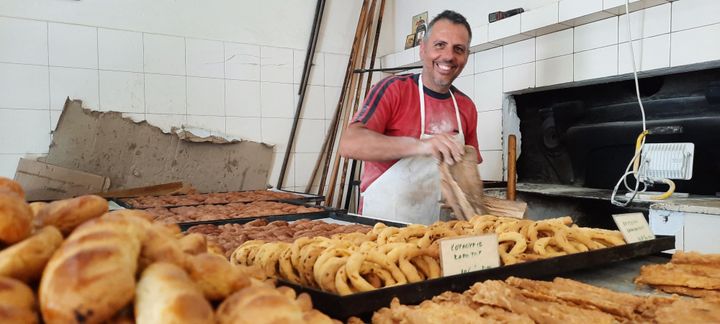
(469, 253)
(634, 227)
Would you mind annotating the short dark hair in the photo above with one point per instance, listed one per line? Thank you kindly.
(451, 16)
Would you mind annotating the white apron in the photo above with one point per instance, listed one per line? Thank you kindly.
(409, 191)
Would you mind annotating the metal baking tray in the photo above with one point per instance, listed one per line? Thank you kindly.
(304, 198)
(363, 304)
(327, 213)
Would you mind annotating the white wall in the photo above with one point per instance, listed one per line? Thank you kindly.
(229, 66)
(674, 36)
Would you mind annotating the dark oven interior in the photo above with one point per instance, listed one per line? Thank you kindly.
(585, 136)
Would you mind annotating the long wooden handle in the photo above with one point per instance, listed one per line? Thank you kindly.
(512, 172)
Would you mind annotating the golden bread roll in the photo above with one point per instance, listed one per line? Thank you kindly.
(69, 213)
(26, 260)
(37, 206)
(92, 275)
(263, 304)
(15, 218)
(11, 185)
(160, 245)
(165, 294)
(193, 243)
(215, 276)
(17, 302)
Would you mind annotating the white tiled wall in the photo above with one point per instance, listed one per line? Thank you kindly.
(666, 35)
(243, 90)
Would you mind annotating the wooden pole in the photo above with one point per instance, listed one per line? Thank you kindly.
(512, 172)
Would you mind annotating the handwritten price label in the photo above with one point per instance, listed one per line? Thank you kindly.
(469, 253)
(634, 227)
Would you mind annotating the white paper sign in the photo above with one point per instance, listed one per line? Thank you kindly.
(469, 253)
(634, 227)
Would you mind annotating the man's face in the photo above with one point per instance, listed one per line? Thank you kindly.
(444, 54)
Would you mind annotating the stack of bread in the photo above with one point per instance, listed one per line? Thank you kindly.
(228, 211)
(208, 198)
(92, 266)
(388, 256)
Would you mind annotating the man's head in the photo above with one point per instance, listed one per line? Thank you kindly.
(444, 50)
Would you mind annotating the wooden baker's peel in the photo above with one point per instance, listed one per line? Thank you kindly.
(462, 188)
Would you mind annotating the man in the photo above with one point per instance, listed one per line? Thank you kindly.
(410, 123)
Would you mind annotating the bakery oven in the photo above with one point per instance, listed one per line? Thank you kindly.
(576, 143)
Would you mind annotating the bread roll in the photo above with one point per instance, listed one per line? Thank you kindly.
(11, 185)
(165, 294)
(160, 245)
(15, 218)
(26, 260)
(262, 304)
(69, 213)
(215, 276)
(92, 275)
(37, 206)
(193, 243)
(17, 302)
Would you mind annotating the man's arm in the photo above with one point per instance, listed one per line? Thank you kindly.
(360, 143)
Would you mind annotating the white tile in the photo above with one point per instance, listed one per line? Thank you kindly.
(597, 63)
(242, 98)
(519, 53)
(645, 23)
(276, 64)
(469, 68)
(314, 102)
(276, 131)
(74, 83)
(489, 90)
(539, 17)
(122, 91)
(289, 181)
(248, 128)
(304, 165)
(504, 28)
(694, 13)
(492, 166)
(165, 94)
(406, 57)
(23, 41)
(309, 136)
(519, 77)
(73, 45)
(598, 34)
(317, 70)
(554, 70)
(8, 164)
(695, 45)
(335, 67)
(466, 84)
(24, 131)
(388, 61)
(205, 96)
(205, 58)
(489, 130)
(166, 121)
(54, 119)
(120, 50)
(609, 4)
(479, 35)
(276, 100)
(214, 124)
(242, 61)
(135, 117)
(332, 95)
(24, 86)
(488, 60)
(555, 44)
(164, 54)
(650, 53)
(570, 9)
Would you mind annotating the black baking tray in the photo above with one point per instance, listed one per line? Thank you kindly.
(364, 304)
(306, 198)
(327, 212)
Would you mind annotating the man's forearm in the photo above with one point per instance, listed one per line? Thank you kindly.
(363, 144)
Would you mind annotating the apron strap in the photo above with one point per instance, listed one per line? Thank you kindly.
(421, 92)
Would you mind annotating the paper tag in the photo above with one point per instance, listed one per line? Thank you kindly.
(634, 227)
(469, 253)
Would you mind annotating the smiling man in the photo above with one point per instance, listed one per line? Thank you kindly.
(410, 123)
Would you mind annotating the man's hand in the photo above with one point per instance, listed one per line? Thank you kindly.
(443, 147)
